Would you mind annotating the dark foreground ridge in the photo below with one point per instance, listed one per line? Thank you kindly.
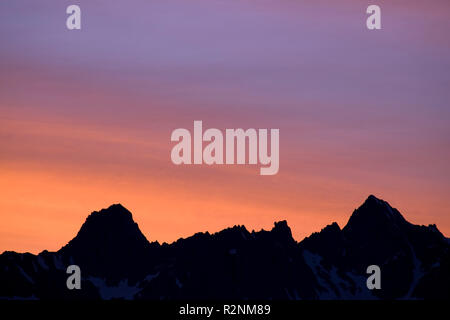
(118, 262)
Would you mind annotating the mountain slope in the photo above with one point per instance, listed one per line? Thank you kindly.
(377, 234)
(117, 261)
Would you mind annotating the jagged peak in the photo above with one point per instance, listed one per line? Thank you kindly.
(334, 227)
(331, 231)
(114, 213)
(235, 232)
(116, 208)
(374, 211)
(282, 227)
(281, 224)
(114, 224)
(374, 201)
(238, 227)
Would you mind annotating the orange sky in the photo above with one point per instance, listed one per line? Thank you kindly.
(55, 173)
(86, 116)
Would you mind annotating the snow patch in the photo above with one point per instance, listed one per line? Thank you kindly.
(34, 266)
(122, 290)
(150, 277)
(314, 262)
(58, 263)
(26, 276)
(42, 263)
(329, 279)
(417, 273)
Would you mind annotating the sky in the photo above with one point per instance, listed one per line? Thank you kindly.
(86, 115)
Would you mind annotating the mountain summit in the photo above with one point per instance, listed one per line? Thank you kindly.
(108, 237)
(117, 261)
(111, 227)
(375, 213)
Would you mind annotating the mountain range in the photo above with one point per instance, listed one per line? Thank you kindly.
(118, 262)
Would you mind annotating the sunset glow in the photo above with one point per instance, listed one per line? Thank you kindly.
(86, 118)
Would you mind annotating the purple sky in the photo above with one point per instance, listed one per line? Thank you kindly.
(359, 111)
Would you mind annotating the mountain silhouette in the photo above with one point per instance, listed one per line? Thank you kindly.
(108, 238)
(118, 262)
